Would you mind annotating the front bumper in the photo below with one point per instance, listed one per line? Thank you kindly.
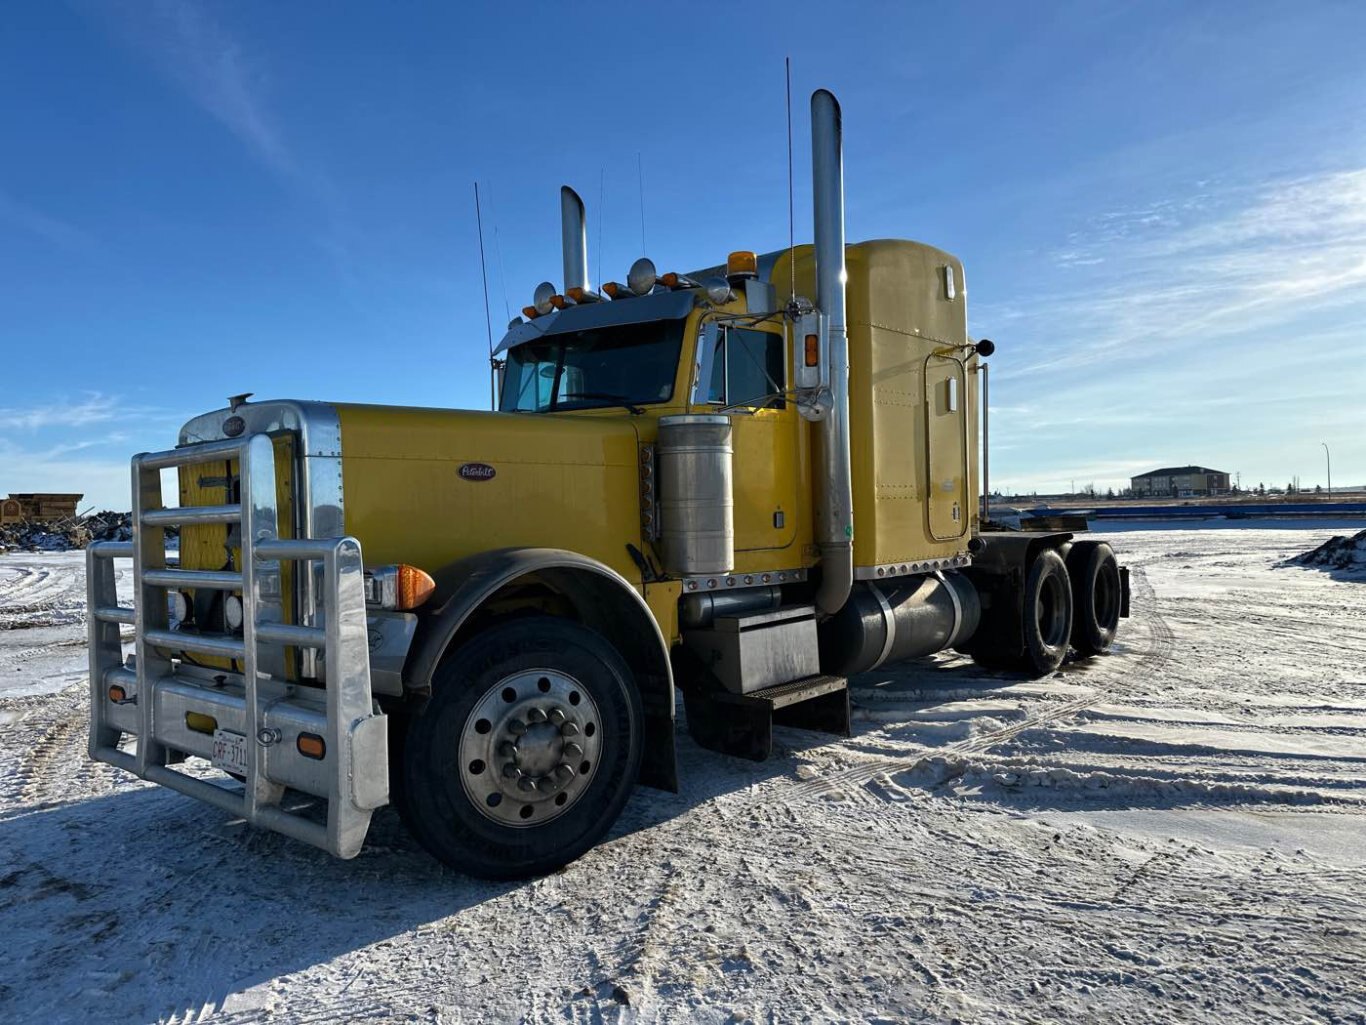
(171, 708)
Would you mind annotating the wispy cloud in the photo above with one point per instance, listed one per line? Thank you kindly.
(80, 444)
(34, 221)
(1181, 272)
(194, 50)
(94, 408)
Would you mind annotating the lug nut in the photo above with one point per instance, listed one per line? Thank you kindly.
(507, 749)
(526, 783)
(516, 727)
(569, 729)
(556, 716)
(510, 771)
(573, 751)
(535, 715)
(564, 772)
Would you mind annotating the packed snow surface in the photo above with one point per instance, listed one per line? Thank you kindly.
(1176, 831)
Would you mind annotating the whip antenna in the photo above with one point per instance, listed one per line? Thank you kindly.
(488, 317)
(602, 183)
(640, 178)
(791, 230)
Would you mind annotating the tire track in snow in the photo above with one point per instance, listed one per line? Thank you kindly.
(1161, 646)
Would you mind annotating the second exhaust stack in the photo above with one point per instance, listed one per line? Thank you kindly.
(574, 238)
(834, 506)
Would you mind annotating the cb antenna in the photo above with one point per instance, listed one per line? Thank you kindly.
(640, 178)
(488, 317)
(791, 230)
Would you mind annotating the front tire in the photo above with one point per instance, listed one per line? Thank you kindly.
(527, 750)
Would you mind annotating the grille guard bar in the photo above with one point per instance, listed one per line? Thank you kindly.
(161, 692)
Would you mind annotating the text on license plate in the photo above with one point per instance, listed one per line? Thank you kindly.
(230, 752)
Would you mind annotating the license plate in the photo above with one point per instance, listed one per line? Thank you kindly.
(230, 752)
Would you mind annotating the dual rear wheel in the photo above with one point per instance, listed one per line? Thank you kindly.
(1074, 602)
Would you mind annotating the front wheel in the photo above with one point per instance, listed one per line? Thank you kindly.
(527, 750)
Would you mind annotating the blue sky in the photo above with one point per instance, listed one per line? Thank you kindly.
(1161, 206)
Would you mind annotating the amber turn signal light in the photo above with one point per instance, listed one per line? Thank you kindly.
(415, 586)
(117, 694)
(812, 355)
(311, 745)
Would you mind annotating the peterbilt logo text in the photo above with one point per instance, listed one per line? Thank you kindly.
(477, 471)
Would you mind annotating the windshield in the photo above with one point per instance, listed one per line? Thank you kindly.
(622, 365)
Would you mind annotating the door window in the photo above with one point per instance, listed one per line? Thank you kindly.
(748, 369)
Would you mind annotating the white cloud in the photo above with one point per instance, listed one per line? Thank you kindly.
(52, 229)
(191, 48)
(1181, 273)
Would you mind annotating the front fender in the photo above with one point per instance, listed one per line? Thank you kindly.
(602, 599)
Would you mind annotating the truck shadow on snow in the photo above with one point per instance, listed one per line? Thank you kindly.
(142, 904)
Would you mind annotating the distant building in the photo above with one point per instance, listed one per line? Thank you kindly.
(1180, 482)
(18, 508)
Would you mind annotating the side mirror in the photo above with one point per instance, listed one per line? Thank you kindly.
(704, 361)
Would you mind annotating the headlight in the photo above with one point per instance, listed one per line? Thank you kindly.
(232, 612)
(177, 606)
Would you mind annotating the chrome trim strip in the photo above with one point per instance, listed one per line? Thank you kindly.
(905, 569)
(739, 581)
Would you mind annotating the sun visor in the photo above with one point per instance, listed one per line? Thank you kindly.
(637, 310)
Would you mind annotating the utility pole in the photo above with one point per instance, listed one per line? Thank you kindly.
(1329, 457)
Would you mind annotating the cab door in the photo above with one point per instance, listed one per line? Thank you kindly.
(748, 382)
(946, 444)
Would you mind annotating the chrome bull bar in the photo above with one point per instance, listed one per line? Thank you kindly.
(166, 701)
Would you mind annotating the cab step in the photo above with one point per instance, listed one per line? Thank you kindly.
(742, 724)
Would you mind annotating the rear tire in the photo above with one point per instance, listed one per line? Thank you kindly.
(1096, 596)
(1047, 614)
(526, 751)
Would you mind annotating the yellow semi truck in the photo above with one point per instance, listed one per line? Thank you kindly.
(703, 483)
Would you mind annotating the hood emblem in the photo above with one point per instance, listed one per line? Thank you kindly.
(233, 426)
(477, 471)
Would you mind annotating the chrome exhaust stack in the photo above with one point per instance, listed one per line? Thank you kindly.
(834, 488)
(574, 236)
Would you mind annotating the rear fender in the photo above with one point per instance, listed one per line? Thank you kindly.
(582, 589)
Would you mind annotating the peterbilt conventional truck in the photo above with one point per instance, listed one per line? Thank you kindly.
(745, 484)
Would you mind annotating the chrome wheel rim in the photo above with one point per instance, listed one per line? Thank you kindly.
(529, 748)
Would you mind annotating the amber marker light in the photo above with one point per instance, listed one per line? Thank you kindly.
(742, 263)
(200, 723)
(559, 301)
(415, 586)
(812, 353)
(311, 745)
(616, 290)
(117, 694)
(669, 280)
(530, 312)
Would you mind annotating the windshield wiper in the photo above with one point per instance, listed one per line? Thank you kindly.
(616, 400)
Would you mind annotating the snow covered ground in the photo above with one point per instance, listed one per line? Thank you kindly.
(1174, 832)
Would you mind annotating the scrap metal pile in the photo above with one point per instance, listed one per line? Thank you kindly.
(64, 535)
